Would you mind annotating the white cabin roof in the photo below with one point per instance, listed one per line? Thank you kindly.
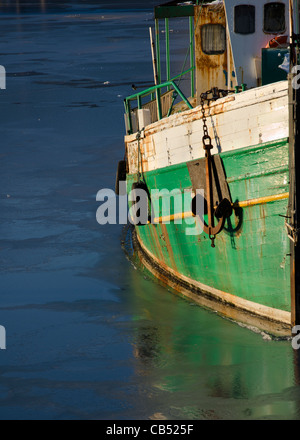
(247, 47)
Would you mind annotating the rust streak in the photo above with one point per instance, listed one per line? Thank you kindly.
(226, 299)
(156, 240)
(169, 246)
(209, 67)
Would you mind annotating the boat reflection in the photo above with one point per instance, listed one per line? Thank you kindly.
(20, 6)
(208, 366)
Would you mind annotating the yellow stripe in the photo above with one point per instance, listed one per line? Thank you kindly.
(244, 204)
(261, 200)
(173, 217)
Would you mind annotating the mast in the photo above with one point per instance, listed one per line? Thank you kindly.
(293, 220)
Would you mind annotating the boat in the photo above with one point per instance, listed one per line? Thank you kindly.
(217, 145)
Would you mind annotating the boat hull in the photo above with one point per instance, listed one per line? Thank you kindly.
(249, 267)
(273, 324)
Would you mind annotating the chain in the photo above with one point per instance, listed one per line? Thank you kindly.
(211, 95)
(138, 138)
(215, 93)
(206, 139)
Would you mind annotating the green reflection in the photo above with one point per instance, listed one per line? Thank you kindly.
(202, 366)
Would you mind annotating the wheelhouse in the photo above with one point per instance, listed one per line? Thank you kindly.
(233, 45)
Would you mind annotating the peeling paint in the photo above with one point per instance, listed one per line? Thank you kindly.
(254, 124)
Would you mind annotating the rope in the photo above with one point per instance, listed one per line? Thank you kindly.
(186, 57)
(140, 161)
(189, 48)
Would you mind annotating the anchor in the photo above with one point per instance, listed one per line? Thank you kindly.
(224, 209)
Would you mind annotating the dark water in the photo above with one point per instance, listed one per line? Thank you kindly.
(88, 335)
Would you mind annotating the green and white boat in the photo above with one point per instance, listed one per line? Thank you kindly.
(236, 139)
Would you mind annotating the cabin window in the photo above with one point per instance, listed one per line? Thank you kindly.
(274, 18)
(213, 38)
(244, 19)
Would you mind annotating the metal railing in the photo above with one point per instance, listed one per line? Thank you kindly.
(155, 90)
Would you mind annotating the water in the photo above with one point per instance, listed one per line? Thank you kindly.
(88, 335)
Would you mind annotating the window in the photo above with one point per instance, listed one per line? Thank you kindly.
(213, 38)
(274, 18)
(244, 19)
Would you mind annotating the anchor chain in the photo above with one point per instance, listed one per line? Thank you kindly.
(138, 138)
(215, 93)
(210, 229)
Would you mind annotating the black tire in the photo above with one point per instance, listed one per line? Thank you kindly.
(143, 186)
(121, 176)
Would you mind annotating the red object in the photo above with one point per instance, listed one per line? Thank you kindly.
(278, 41)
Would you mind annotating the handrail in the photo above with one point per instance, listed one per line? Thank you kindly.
(153, 88)
(138, 96)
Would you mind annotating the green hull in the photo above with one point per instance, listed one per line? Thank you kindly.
(250, 262)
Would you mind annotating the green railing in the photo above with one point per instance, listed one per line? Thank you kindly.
(169, 85)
